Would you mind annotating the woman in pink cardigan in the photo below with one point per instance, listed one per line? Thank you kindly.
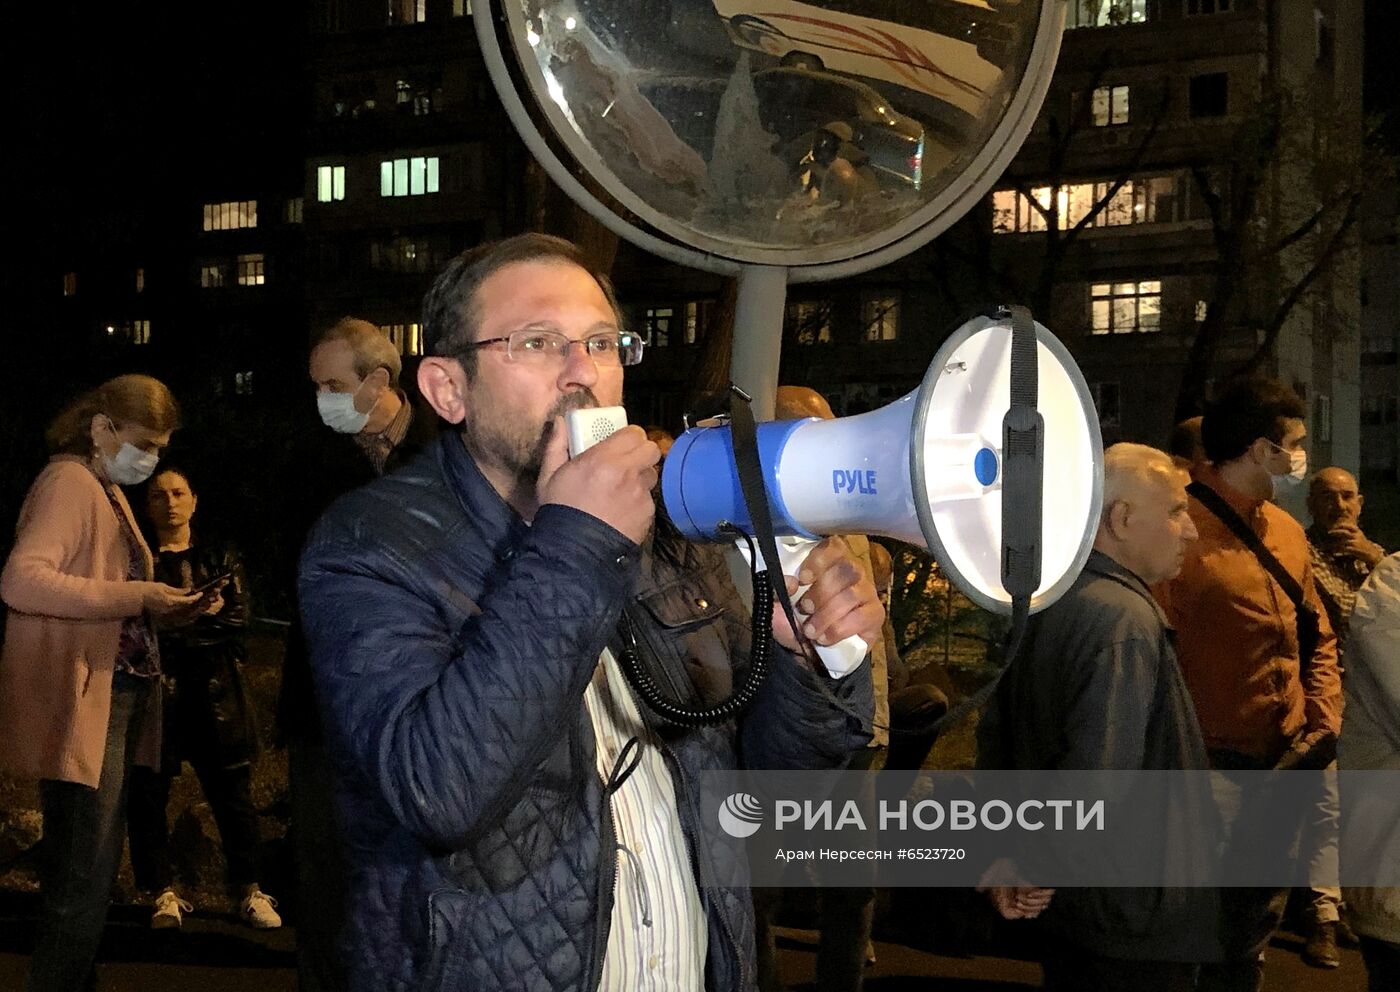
(79, 672)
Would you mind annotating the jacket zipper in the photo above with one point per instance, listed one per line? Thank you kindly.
(605, 894)
(698, 867)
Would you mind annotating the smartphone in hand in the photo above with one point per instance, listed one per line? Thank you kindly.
(210, 588)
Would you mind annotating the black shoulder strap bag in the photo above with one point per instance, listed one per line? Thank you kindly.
(1308, 628)
(1318, 749)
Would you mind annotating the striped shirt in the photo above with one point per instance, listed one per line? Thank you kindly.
(378, 447)
(659, 934)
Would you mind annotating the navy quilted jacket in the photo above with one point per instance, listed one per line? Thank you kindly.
(451, 644)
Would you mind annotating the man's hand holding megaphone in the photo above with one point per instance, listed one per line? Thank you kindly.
(841, 601)
(612, 480)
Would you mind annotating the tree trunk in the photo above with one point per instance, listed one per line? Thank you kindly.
(712, 371)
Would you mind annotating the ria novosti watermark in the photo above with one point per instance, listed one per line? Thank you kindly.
(1105, 828)
(741, 815)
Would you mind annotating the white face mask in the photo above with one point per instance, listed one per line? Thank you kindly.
(130, 466)
(338, 412)
(1297, 472)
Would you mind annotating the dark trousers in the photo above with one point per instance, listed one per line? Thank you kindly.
(844, 920)
(1382, 964)
(1257, 844)
(82, 850)
(229, 791)
(322, 894)
(913, 710)
(1085, 972)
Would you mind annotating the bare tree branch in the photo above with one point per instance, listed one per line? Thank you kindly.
(1321, 264)
(1303, 229)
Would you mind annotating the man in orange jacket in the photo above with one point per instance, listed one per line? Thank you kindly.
(1260, 704)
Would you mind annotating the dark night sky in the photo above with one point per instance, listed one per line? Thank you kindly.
(138, 103)
(1382, 87)
(127, 104)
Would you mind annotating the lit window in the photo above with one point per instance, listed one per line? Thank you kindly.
(408, 176)
(461, 8)
(1194, 7)
(230, 216)
(1110, 105)
(879, 315)
(1145, 200)
(1104, 13)
(250, 270)
(140, 280)
(140, 332)
(243, 383)
(330, 183)
(213, 276)
(70, 284)
(1202, 308)
(810, 321)
(407, 11)
(407, 338)
(1126, 307)
(293, 212)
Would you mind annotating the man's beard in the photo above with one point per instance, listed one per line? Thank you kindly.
(518, 447)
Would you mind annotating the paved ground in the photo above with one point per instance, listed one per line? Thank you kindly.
(217, 954)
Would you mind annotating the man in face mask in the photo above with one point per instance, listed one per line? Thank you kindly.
(1260, 704)
(356, 371)
(374, 429)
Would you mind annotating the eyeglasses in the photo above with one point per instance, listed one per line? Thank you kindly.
(607, 348)
(1299, 445)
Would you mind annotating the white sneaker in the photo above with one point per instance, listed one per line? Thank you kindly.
(169, 911)
(257, 911)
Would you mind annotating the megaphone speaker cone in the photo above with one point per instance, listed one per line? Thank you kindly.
(926, 469)
(965, 393)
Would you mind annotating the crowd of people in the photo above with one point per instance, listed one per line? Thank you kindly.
(480, 800)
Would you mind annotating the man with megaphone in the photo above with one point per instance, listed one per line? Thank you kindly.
(514, 817)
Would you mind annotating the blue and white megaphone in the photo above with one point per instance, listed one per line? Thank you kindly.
(926, 470)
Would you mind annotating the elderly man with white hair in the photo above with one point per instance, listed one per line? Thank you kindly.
(1097, 687)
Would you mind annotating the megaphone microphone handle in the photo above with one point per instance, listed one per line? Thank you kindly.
(839, 659)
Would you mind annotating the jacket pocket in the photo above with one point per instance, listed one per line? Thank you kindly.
(684, 641)
(679, 609)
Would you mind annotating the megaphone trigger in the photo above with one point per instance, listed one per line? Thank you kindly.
(839, 659)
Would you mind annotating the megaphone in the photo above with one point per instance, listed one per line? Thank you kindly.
(927, 469)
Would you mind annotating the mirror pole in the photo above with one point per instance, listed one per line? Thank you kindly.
(758, 335)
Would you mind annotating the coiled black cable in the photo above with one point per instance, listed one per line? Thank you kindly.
(760, 656)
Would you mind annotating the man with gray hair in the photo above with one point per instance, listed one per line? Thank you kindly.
(356, 370)
(1097, 687)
